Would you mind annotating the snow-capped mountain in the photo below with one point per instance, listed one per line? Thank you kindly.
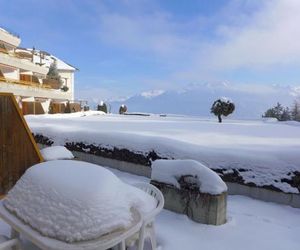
(251, 100)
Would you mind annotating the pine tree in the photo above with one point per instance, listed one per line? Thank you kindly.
(295, 112)
(286, 114)
(278, 109)
(279, 112)
(53, 73)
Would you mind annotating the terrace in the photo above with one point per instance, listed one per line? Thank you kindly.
(247, 220)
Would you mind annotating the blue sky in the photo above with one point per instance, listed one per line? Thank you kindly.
(128, 46)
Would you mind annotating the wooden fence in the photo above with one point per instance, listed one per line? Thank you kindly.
(18, 150)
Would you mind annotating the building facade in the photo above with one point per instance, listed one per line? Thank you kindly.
(23, 72)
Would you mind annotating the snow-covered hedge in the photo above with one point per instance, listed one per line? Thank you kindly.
(75, 201)
(170, 172)
(261, 154)
(56, 153)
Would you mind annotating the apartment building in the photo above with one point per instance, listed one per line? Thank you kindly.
(23, 72)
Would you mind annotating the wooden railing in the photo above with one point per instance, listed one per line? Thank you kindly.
(26, 83)
(3, 51)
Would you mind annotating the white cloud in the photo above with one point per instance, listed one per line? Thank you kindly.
(150, 33)
(265, 37)
(270, 39)
(258, 35)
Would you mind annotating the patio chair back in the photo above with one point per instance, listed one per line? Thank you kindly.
(148, 230)
(156, 194)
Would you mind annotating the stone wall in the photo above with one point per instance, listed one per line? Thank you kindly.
(200, 207)
(140, 164)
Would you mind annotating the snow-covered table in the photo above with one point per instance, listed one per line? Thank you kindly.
(74, 205)
(104, 242)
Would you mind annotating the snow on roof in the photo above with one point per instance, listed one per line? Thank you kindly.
(170, 171)
(75, 201)
(47, 59)
(61, 65)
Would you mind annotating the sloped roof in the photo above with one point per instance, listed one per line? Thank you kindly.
(47, 59)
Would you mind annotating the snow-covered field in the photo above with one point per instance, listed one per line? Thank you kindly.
(252, 225)
(262, 151)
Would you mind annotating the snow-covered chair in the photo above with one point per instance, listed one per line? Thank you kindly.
(7, 243)
(111, 240)
(148, 230)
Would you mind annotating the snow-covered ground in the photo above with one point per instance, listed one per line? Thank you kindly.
(252, 225)
(265, 151)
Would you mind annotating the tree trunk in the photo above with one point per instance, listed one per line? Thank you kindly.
(220, 118)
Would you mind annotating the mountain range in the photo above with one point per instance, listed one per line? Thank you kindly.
(251, 101)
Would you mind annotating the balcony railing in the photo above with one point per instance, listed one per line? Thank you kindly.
(25, 83)
(17, 61)
(15, 54)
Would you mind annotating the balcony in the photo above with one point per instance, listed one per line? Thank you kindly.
(25, 83)
(15, 60)
(9, 38)
(33, 89)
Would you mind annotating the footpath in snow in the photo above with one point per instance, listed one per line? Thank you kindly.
(259, 152)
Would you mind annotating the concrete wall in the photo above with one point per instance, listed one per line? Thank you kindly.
(10, 73)
(233, 188)
(264, 194)
(69, 75)
(200, 207)
(120, 165)
(9, 38)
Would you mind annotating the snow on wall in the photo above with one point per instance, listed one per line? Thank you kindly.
(268, 151)
(56, 153)
(75, 201)
(170, 171)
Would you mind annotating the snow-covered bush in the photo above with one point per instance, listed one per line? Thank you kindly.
(75, 201)
(122, 109)
(172, 171)
(64, 88)
(222, 106)
(102, 107)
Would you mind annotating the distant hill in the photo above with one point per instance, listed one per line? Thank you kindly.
(251, 100)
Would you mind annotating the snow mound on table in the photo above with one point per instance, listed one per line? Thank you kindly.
(170, 171)
(56, 153)
(75, 201)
